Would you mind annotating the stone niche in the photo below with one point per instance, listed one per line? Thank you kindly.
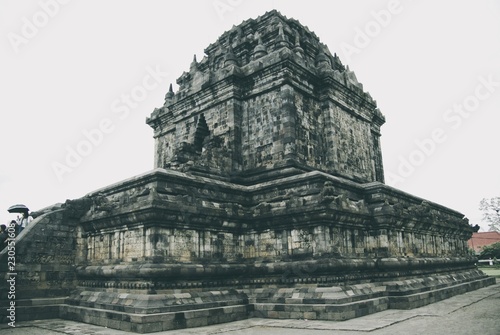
(267, 200)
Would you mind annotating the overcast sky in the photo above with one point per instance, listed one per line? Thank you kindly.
(78, 79)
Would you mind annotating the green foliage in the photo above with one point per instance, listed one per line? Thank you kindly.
(491, 251)
(491, 212)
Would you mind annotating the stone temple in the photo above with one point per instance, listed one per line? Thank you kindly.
(267, 200)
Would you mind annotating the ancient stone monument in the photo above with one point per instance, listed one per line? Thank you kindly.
(268, 200)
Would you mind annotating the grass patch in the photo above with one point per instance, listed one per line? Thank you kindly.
(493, 271)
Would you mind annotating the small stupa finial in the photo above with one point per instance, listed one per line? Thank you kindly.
(194, 63)
(170, 94)
(230, 58)
(297, 48)
(281, 40)
(260, 50)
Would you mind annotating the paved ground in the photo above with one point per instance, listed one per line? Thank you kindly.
(475, 312)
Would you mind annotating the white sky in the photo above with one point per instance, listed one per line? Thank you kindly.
(69, 75)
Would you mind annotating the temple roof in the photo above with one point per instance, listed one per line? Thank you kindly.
(270, 33)
(266, 39)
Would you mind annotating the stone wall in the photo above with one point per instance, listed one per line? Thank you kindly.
(45, 261)
(46, 258)
(189, 245)
(181, 218)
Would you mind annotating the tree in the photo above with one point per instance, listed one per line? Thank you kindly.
(490, 251)
(491, 212)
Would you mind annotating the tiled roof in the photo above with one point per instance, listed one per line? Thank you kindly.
(480, 240)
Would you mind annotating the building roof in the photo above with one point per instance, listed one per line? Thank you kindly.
(480, 240)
